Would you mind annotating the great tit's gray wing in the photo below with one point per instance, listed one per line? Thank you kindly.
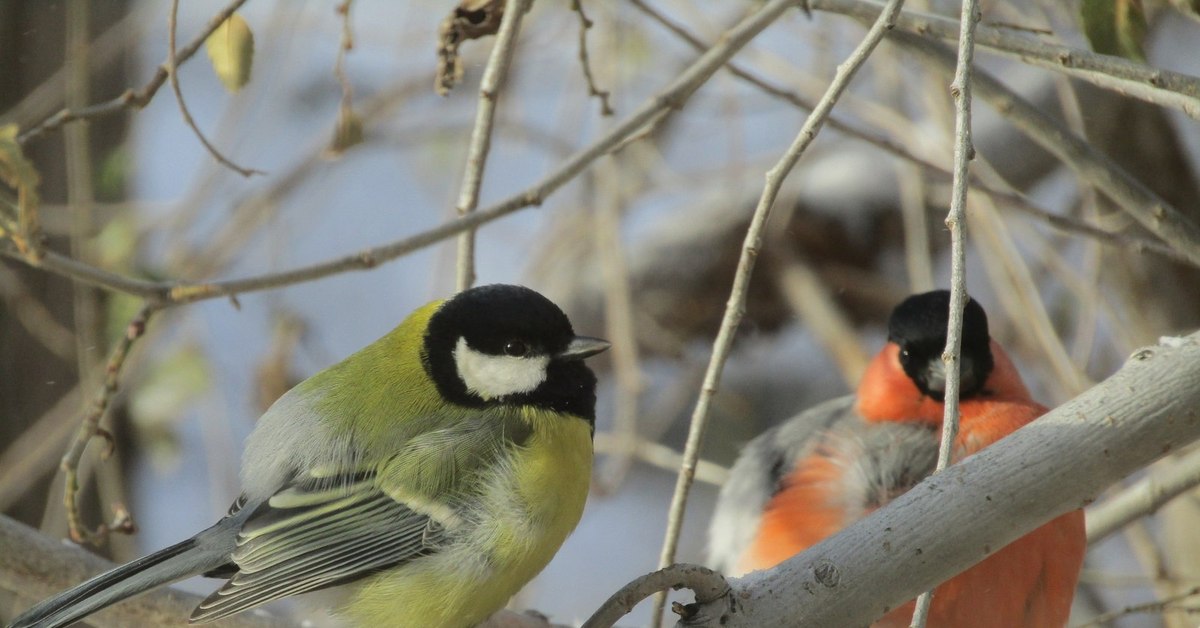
(757, 474)
(309, 536)
(326, 528)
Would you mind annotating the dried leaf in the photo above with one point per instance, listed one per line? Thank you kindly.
(1115, 27)
(19, 172)
(231, 51)
(471, 19)
(347, 133)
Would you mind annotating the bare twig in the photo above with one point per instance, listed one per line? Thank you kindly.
(918, 259)
(1162, 484)
(585, 25)
(1012, 198)
(1155, 85)
(90, 427)
(735, 307)
(35, 317)
(618, 319)
(173, 75)
(1157, 606)
(659, 456)
(481, 135)
(80, 194)
(1134, 197)
(37, 449)
(658, 106)
(1010, 275)
(348, 131)
(706, 583)
(811, 299)
(964, 151)
(130, 98)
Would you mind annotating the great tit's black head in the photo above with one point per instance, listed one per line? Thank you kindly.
(502, 344)
(918, 327)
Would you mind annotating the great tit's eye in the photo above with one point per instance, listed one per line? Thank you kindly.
(515, 348)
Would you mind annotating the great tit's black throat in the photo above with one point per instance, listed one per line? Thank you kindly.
(918, 327)
(502, 320)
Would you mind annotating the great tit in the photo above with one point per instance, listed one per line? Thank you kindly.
(427, 477)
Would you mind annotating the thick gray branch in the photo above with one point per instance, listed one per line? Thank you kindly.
(36, 567)
(954, 519)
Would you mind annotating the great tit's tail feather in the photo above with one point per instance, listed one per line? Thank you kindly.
(176, 562)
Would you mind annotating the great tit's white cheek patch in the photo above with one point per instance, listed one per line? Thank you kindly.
(492, 376)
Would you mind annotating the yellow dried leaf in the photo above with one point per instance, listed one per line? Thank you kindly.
(18, 172)
(231, 51)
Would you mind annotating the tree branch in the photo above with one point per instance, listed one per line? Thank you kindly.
(653, 109)
(964, 151)
(1131, 195)
(36, 566)
(481, 135)
(131, 99)
(1144, 497)
(1154, 85)
(736, 306)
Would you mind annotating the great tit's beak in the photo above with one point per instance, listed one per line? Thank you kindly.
(582, 347)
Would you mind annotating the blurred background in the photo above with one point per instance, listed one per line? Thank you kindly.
(639, 248)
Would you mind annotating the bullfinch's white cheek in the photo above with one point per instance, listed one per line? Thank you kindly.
(492, 376)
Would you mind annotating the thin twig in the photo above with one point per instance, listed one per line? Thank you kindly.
(89, 427)
(655, 108)
(918, 259)
(785, 95)
(1010, 274)
(1154, 85)
(1134, 197)
(585, 25)
(35, 317)
(481, 136)
(1157, 606)
(964, 151)
(1012, 198)
(1144, 497)
(173, 75)
(618, 319)
(1152, 560)
(80, 193)
(707, 584)
(348, 130)
(344, 47)
(35, 452)
(659, 456)
(130, 98)
(811, 299)
(735, 307)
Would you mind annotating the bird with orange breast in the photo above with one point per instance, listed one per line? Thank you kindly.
(833, 464)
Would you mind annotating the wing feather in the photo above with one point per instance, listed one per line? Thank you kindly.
(303, 540)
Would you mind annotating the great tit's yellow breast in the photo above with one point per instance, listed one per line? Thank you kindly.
(550, 475)
(532, 501)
